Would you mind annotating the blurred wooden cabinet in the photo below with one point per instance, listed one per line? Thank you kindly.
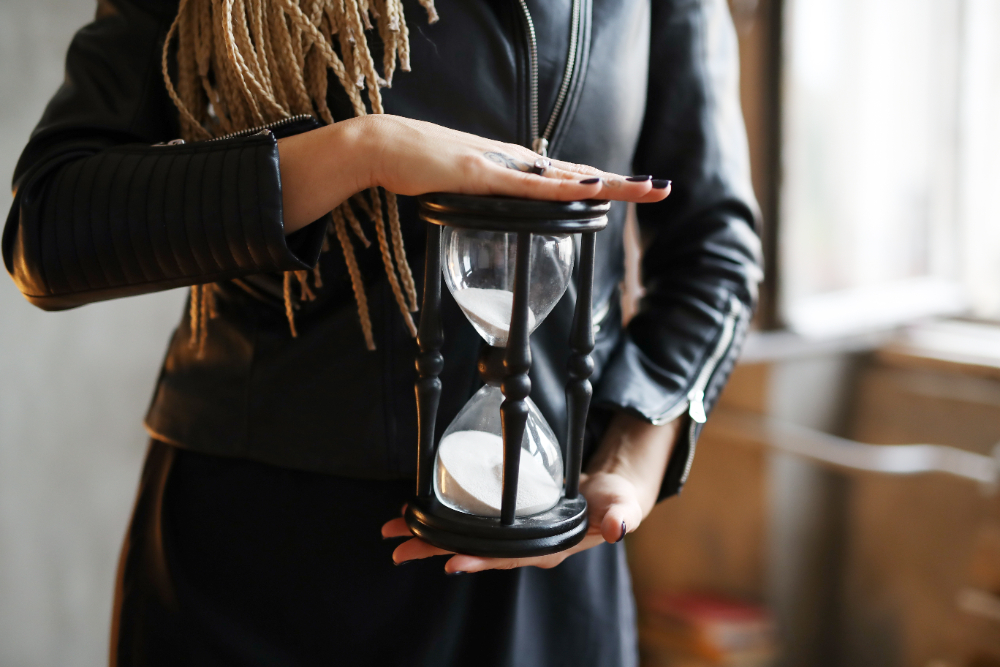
(873, 570)
(920, 549)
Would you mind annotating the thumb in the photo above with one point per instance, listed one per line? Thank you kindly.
(621, 518)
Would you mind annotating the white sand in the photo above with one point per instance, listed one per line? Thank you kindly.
(470, 476)
(489, 311)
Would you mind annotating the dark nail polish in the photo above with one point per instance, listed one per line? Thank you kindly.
(660, 184)
(624, 530)
(451, 574)
(590, 181)
(404, 562)
(639, 179)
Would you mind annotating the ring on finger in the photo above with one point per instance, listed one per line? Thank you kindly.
(540, 166)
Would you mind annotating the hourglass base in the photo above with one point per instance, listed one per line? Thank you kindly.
(549, 532)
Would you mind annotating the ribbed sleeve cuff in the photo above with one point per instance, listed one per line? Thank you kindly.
(138, 218)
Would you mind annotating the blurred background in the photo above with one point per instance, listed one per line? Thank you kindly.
(74, 388)
(843, 507)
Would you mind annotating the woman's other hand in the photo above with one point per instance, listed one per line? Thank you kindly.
(621, 486)
(323, 168)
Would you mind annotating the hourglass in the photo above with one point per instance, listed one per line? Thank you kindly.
(497, 484)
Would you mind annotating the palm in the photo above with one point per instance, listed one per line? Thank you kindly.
(613, 505)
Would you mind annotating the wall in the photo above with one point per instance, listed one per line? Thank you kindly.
(73, 388)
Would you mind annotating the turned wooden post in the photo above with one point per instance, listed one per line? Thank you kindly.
(580, 366)
(516, 384)
(430, 362)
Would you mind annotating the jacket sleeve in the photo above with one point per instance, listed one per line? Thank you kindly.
(100, 212)
(702, 258)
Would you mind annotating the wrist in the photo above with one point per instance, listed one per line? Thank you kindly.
(320, 170)
(637, 451)
(358, 138)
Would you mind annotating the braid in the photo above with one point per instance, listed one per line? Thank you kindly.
(383, 244)
(355, 273)
(243, 63)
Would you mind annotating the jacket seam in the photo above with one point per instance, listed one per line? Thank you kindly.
(218, 254)
(200, 280)
(164, 270)
(130, 229)
(120, 256)
(110, 280)
(74, 221)
(74, 276)
(243, 224)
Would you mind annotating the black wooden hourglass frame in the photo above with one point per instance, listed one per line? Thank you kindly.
(508, 535)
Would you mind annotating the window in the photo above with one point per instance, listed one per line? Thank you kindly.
(890, 196)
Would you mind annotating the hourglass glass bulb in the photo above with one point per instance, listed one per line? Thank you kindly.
(479, 272)
(468, 467)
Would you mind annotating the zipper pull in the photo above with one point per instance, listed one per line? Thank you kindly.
(697, 407)
(541, 146)
(172, 142)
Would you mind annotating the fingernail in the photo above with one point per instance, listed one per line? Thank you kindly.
(402, 562)
(639, 179)
(403, 510)
(624, 530)
(660, 184)
(451, 574)
(590, 181)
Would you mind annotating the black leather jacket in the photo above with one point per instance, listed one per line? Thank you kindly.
(101, 212)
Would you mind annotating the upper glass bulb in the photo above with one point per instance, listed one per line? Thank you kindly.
(479, 271)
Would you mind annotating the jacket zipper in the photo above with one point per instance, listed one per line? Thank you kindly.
(696, 397)
(695, 403)
(261, 128)
(540, 141)
(267, 127)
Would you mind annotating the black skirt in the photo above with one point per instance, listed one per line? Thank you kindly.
(232, 562)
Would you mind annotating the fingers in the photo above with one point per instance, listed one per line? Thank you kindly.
(661, 190)
(468, 564)
(414, 157)
(620, 519)
(533, 186)
(415, 549)
(638, 189)
(395, 528)
(582, 169)
(560, 185)
(565, 184)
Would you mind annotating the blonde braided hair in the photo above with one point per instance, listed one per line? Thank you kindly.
(244, 63)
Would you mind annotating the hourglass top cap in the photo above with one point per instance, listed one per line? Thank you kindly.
(510, 214)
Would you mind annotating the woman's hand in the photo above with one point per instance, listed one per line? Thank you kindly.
(621, 486)
(323, 168)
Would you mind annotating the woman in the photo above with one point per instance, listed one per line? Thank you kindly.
(283, 425)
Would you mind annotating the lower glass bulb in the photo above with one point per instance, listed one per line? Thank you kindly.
(468, 468)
